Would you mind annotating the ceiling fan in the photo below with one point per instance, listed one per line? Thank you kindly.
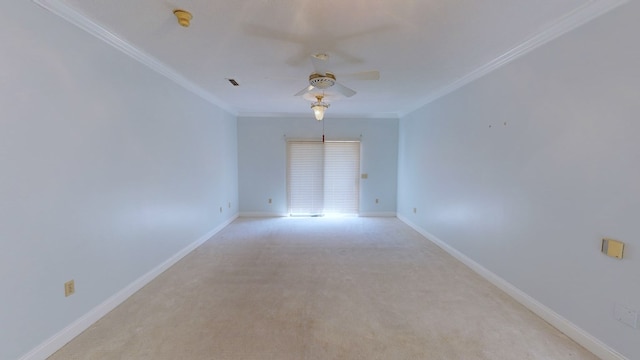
(322, 80)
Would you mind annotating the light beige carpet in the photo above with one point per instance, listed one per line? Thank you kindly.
(320, 288)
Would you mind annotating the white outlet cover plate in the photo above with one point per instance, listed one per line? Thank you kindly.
(626, 316)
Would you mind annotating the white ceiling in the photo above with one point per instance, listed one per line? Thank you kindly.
(422, 48)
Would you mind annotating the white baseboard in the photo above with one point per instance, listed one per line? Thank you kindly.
(271, 214)
(578, 335)
(378, 214)
(57, 341)
(262, 214)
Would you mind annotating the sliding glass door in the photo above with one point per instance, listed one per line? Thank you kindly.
(323, 178)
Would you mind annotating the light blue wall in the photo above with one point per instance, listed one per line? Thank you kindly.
(531, 200)
(262, 160)
(108, 169)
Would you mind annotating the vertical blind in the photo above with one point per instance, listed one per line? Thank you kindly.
(323, 178)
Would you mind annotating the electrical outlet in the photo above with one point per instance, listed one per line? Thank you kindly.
(69, 288)
(613, 248)
(626, 316)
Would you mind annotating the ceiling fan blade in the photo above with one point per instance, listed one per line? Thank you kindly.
(304, 91)
(365, 75)
(343, 90)
(265, 32)
(319, 62)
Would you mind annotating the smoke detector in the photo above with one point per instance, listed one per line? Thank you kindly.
(184, 17)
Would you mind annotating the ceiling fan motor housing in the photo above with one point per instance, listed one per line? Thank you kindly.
(322, 81)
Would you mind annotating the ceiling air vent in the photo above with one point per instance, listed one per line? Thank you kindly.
(233, 82)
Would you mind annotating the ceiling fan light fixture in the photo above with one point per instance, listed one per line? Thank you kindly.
(319, 108)
(322, 81)
(318, 111)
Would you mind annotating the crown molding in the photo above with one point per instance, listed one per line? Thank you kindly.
(327, 116)
(61, 9)
(563, 25)
(572, 20)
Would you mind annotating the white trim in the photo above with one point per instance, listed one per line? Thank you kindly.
(82, 21)
(579, 335)
(572, 20)
(271, 214)
(262, 214)
(328, 116)
(57, 341)
(312, 140)
(378, 214)
(580, 16)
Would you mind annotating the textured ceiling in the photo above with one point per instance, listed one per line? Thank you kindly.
(421, 47)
